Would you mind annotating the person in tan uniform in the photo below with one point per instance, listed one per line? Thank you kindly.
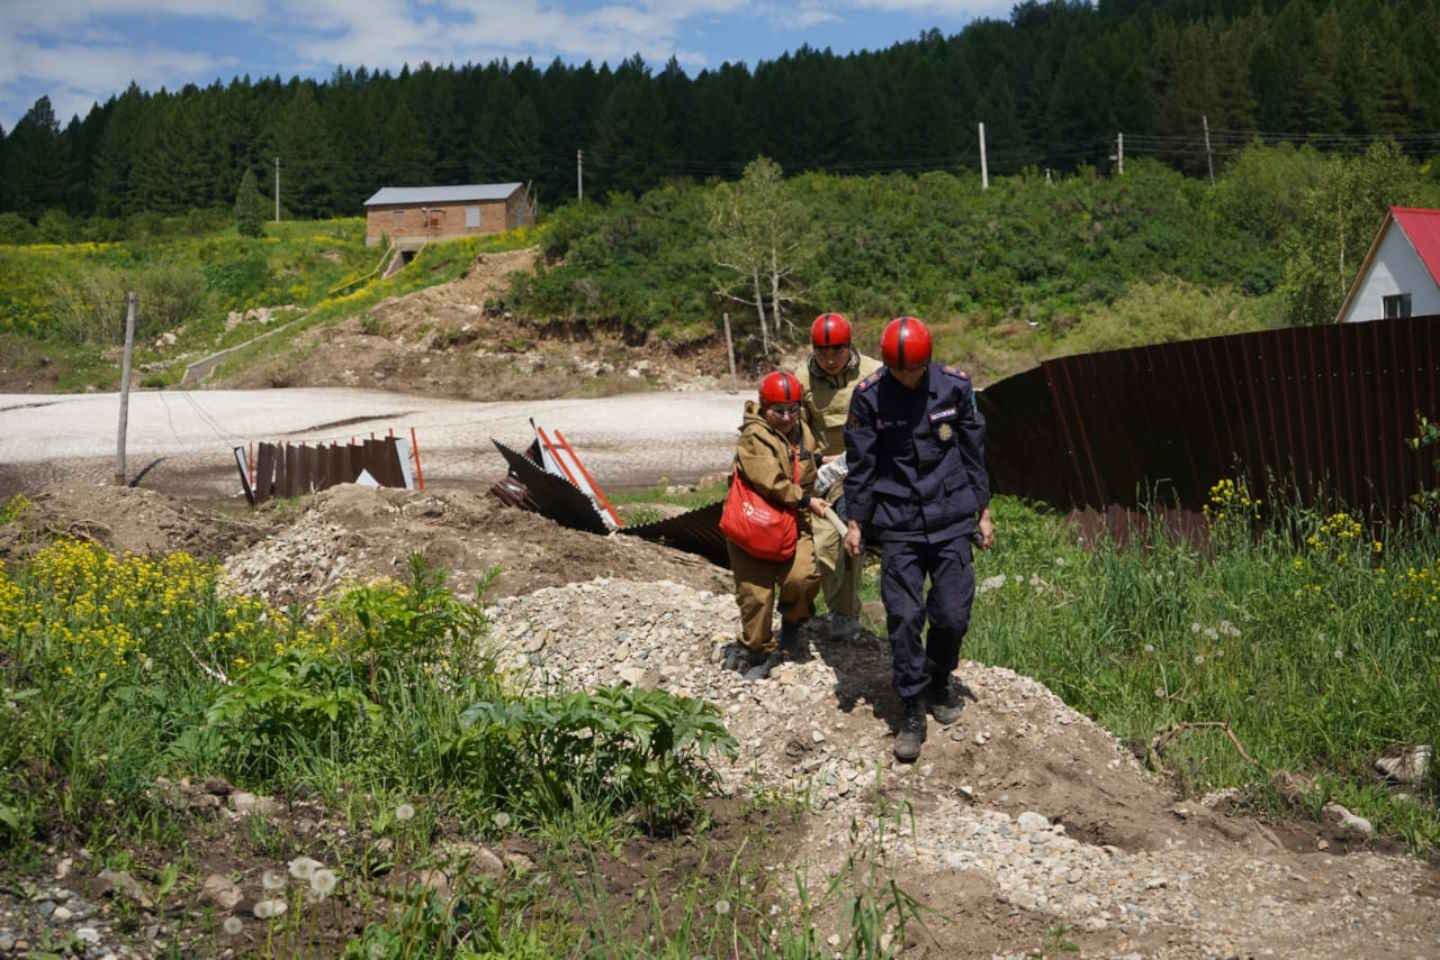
(773, 433)
(828, 380)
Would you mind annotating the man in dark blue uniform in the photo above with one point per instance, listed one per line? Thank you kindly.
(917, 487)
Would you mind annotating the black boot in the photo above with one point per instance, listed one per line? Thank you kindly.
(912, 730)
(760, 668)
(944, 700)
(790, 643)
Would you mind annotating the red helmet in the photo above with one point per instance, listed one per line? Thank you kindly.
(905, 343)
(779, 387)
(830, 330)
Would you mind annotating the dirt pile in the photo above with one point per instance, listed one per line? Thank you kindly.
(458, 340)
(1022, 814)
(350, 533)
(130, 519)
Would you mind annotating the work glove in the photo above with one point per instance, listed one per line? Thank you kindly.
(830, 474)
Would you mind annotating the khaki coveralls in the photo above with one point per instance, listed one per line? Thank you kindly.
(827, 405)
(764, 458)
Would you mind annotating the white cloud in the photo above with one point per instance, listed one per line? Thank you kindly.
(47, 15)
(79, 51)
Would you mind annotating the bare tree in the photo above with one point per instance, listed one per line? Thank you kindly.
(758, 233)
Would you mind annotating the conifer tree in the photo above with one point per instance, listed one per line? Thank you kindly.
(248, 219)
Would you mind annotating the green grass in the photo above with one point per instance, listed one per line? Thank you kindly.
(1318, 651)
(1314, 646)
(66, 302)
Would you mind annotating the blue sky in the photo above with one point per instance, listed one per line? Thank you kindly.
(80, 51)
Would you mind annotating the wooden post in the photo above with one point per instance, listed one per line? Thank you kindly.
(1209, 163)
(125, 388)
(730, 352)
(984, 164)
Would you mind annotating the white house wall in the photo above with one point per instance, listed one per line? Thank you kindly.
(1395, 269)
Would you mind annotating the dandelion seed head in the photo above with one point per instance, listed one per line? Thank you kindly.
(722, 906)
(303, 868)
(322, 882)
(272, 880)
(233, 925)
(501, 819)
(1199, 660)
(1195, 628)
(1149, 648)
(404, 812)
(266, 909)
(376, 951)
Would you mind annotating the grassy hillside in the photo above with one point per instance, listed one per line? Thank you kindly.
(62, 307)
(1033, 267)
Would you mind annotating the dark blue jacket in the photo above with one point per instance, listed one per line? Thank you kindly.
(916, 457)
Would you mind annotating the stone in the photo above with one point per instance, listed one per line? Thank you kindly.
(62, 915)
(113, 881)
(1409, 767)
(434, 880)
(1029, 820)
(1347, 821)
(87, 935)
(221, 891)
(632, 675)
(250, 805)
(519, 863)
(62, 868)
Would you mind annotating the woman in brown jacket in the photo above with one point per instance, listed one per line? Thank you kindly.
(772, 435)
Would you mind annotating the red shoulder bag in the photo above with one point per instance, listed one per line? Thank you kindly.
(756, 525)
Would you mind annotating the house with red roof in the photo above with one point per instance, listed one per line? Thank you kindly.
(1401, 274)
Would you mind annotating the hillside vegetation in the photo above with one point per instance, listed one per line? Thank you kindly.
(1035, 266)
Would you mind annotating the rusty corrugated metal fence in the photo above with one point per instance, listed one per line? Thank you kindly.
(293, 469)
(1333, 404)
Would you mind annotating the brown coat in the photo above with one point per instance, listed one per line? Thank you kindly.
(764, 457)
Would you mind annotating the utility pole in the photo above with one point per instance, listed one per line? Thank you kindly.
(730, 352)
(125, 388)
(1209, 163)
(277, 189)
(580, 175)
(1119, 157)
(984, 166)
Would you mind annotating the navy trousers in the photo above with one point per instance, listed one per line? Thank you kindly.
(904, 568)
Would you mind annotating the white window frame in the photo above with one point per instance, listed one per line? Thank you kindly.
(472, 217)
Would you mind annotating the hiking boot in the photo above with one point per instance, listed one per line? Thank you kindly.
(791, 645)
(760, 669)
(740, 658)
(843, 628)
(945, 701)
(912, 731)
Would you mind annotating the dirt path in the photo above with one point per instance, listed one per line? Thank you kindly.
(1022, 825)
(624, 440)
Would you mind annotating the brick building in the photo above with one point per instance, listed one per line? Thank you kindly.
(413, 215)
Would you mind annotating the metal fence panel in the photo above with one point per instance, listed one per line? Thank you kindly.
(1333, 404)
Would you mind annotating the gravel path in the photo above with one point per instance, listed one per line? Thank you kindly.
(1022, 803)
(624, 440)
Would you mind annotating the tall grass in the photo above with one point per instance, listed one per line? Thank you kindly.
(117, 670)
(1312, 636)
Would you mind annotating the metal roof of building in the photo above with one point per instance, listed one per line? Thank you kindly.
(1422, 227)
(457, 194)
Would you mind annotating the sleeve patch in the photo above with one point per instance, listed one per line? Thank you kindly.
(955, 371)
(870, 381)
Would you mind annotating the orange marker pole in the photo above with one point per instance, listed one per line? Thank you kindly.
(604, 501)
(551, 447)
(415, 448)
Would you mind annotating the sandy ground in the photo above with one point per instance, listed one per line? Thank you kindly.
(624, 440)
